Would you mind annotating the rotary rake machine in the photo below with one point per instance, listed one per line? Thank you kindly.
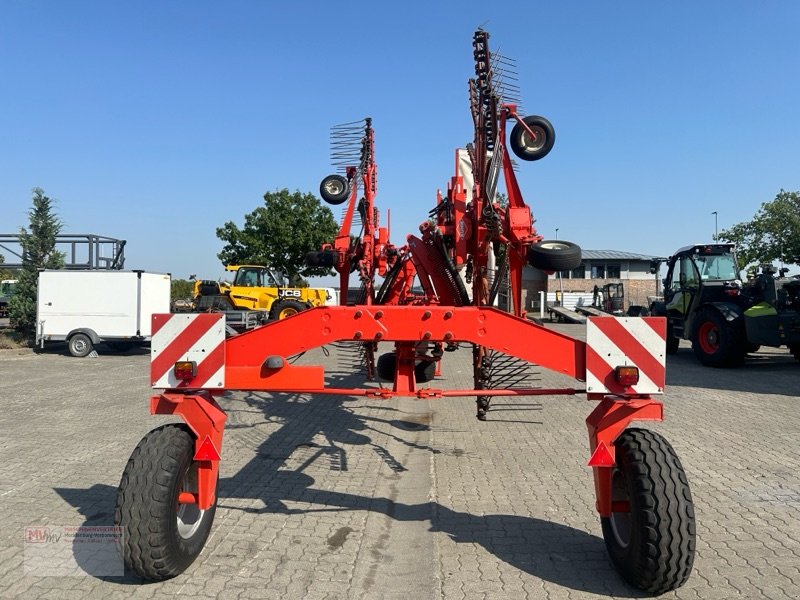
(168, 492)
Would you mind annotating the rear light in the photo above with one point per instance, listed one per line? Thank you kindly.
(185, 370)
(627, 376)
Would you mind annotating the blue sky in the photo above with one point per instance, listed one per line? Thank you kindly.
(156, 122)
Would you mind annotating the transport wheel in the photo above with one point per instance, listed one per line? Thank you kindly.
(386, 366)
(528, 148)
(554, 255)
(716, 342)
(424, 371)
(80, 345)
(651, 539)
(334, 189)
(283, 309)
(161, 537)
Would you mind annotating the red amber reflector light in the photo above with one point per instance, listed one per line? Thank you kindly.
(185, 369)
(627, 376)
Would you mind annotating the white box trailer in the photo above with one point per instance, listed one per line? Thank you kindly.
(86, 308)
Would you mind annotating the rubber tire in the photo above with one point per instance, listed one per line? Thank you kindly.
(335, 197)
(660, 548)
(323, 258)
(518, 136)
(80, 345)
(424, 371)
(672, 343)
(386, 365)
(147, 508)
(731, 346)
(554, 255)
(283, 309)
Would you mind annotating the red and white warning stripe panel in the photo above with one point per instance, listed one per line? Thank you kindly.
(613, 342)
(188, 337)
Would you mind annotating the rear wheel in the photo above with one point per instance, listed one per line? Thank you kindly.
(651, 535)
(161, 537)
(716, 341)
(80, 345)
(283, 309)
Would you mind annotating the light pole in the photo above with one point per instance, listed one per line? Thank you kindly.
(716, 230)
(556, 232)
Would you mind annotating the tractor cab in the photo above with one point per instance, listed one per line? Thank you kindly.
(699, 275)
(255, 276)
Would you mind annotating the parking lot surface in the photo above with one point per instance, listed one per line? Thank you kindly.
(335, 497)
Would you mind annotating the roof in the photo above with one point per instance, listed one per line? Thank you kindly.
(614, 255)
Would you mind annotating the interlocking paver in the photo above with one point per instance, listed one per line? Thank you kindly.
(332, 497)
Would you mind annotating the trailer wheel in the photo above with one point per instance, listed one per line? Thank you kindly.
(527, 148)
(716, 342)
(652, 543)
(80, 345)
(283, 309)
(161, 537)
(334, 189)
(554, 255)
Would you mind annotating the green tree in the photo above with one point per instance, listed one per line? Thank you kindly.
(280, 234)
(181, 288)
(5, 273)
(773, 234)
(38, 252)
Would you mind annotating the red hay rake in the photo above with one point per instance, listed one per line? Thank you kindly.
(167, 495)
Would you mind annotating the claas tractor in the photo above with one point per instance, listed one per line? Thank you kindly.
(430, 293)
(725, 317)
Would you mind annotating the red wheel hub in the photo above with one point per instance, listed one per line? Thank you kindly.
(709, 337)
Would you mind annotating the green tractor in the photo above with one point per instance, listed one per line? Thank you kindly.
(706, 302)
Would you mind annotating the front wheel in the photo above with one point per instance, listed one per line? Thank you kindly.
(651, 534)
(80, 345)
(161, 537)
(717, 342)
(554, 255)
(284, 309)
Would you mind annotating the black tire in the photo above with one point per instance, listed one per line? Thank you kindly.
(717, 342)
(528, 149)
(672, 341)
(323, 258)
(80, 345)
(653, 545)
(386, 366)
(334, 189)
(284, 309)
(161, 538)
(554, 255)
(424, 371)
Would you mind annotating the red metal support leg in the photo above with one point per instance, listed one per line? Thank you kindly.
(607, 421)
(207, 421)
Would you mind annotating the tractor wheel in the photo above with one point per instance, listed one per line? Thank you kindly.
(672, 341)
(334, 189)
(716, 342)
(651, 539)
(283, 309)
(161, 537)
(386, 366)
(554, 255)
(533, 149)
(80, 345)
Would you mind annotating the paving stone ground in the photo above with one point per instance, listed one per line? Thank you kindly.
(338, 497)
